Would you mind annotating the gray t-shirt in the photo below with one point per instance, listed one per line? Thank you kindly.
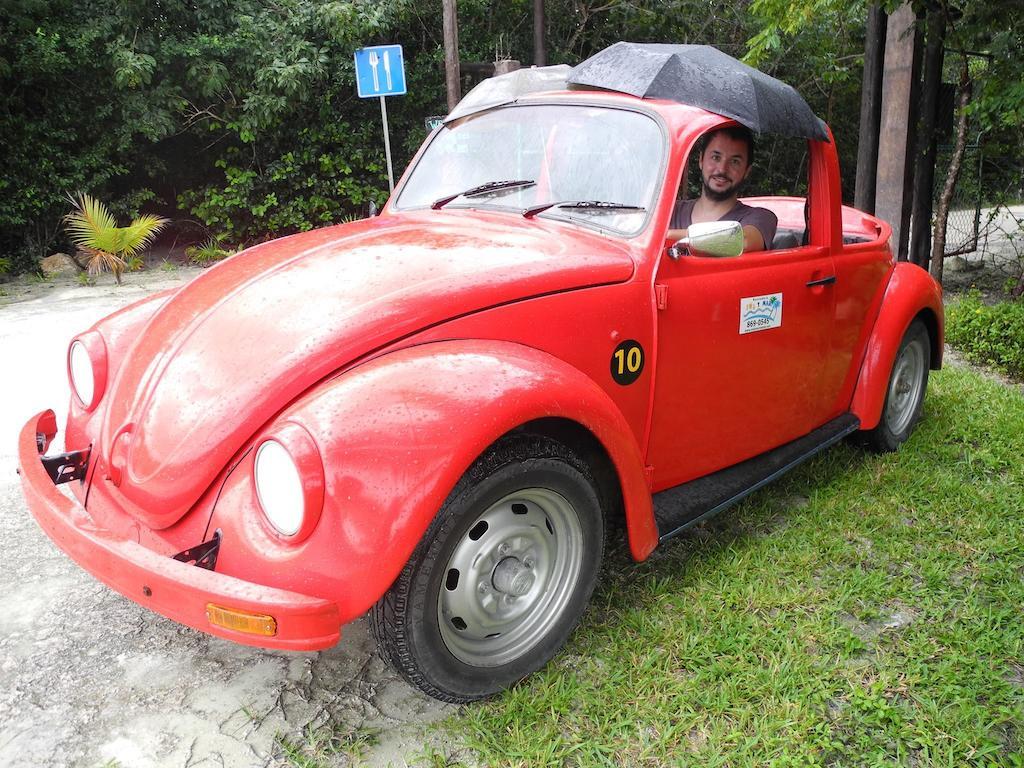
(763, 220)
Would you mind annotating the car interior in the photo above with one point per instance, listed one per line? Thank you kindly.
(780, 171)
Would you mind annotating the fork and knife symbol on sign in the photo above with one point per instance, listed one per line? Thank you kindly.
(375, 62)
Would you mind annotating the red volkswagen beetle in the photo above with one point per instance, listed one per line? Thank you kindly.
(438, 415)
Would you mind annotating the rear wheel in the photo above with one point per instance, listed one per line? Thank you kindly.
(904, 397)
(500, 578)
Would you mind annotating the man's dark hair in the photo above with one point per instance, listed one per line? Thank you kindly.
(734, 132)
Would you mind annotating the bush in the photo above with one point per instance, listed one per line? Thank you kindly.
(322, 173)
(989, 334)
(208, 252)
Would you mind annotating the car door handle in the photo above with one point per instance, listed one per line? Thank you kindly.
(822, 281)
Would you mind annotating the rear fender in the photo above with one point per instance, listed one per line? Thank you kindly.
(911, 293)
(397, 433)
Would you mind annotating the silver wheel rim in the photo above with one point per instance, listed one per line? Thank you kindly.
(510, 578)
(906, 386)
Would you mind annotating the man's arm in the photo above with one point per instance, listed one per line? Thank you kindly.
(753, 240)
(759, 225)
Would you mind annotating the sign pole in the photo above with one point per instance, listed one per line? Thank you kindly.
(380, 72)
(387, 144)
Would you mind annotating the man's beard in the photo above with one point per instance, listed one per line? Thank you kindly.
(715, 196)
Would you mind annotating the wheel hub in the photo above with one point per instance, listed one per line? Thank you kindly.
(513, 577)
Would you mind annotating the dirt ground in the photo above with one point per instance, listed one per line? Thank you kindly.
(88, 678)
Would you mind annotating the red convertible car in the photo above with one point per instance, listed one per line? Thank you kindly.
(439, 414)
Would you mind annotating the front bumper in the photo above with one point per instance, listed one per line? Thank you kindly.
(179, 591)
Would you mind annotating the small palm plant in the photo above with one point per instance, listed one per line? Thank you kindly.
(92, 229)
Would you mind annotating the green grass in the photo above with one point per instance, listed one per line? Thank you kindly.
(865, 611)
(991, 334)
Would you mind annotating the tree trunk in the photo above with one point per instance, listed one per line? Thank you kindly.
(540, 54)
(942, 211)
(870, 110)
(450, 24)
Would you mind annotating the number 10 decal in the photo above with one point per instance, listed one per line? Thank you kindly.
(627, 362)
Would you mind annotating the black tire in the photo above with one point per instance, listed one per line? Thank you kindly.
(904, 395)
(517, 548)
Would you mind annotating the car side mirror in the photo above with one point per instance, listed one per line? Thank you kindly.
(372, 210)
(711, 238)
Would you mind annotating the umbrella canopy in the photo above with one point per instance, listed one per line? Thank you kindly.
(507, 88)
(704, 77)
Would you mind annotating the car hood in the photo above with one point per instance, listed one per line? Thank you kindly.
(229, 350)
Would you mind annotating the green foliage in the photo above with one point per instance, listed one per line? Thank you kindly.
(134, 263)
(93, 229)
(988, 334)
(208, 252)
(243, 115)
(61, 125)
(326, 171)
(999, 76)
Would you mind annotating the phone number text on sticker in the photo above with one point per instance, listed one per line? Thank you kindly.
(759, 313)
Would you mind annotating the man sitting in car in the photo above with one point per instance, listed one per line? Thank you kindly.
(725, 160)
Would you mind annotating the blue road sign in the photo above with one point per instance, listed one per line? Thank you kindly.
(380, 71)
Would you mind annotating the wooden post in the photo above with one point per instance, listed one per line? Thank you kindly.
(450, 25)
(895, 146)
(540, 54)
(870, 110)
(925, 146)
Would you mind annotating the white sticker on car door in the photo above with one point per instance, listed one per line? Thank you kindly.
(759, 313)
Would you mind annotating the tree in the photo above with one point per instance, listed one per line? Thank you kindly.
(995, 31)
(94, 230)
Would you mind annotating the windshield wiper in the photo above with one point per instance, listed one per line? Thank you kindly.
(592, 205)
(482, 189)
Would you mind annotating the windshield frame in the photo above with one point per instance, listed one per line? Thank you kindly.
(553, 214)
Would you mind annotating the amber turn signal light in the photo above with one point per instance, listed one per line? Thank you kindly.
(241, 621)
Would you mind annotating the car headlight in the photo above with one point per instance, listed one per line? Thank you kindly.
(289, 479)
(87, 369)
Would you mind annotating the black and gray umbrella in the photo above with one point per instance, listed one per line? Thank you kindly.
(704, 77)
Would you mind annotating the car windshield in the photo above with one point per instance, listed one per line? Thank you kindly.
(526, 158)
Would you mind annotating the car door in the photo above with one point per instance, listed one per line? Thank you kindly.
(740, 350)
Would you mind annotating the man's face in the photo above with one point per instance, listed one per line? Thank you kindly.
(724, 166)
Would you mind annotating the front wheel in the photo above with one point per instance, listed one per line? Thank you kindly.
(501, 576)
(904, 397)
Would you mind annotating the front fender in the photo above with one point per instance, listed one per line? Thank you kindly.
(397, 433)
(911, 293)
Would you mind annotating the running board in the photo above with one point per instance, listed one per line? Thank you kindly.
(679, 508)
